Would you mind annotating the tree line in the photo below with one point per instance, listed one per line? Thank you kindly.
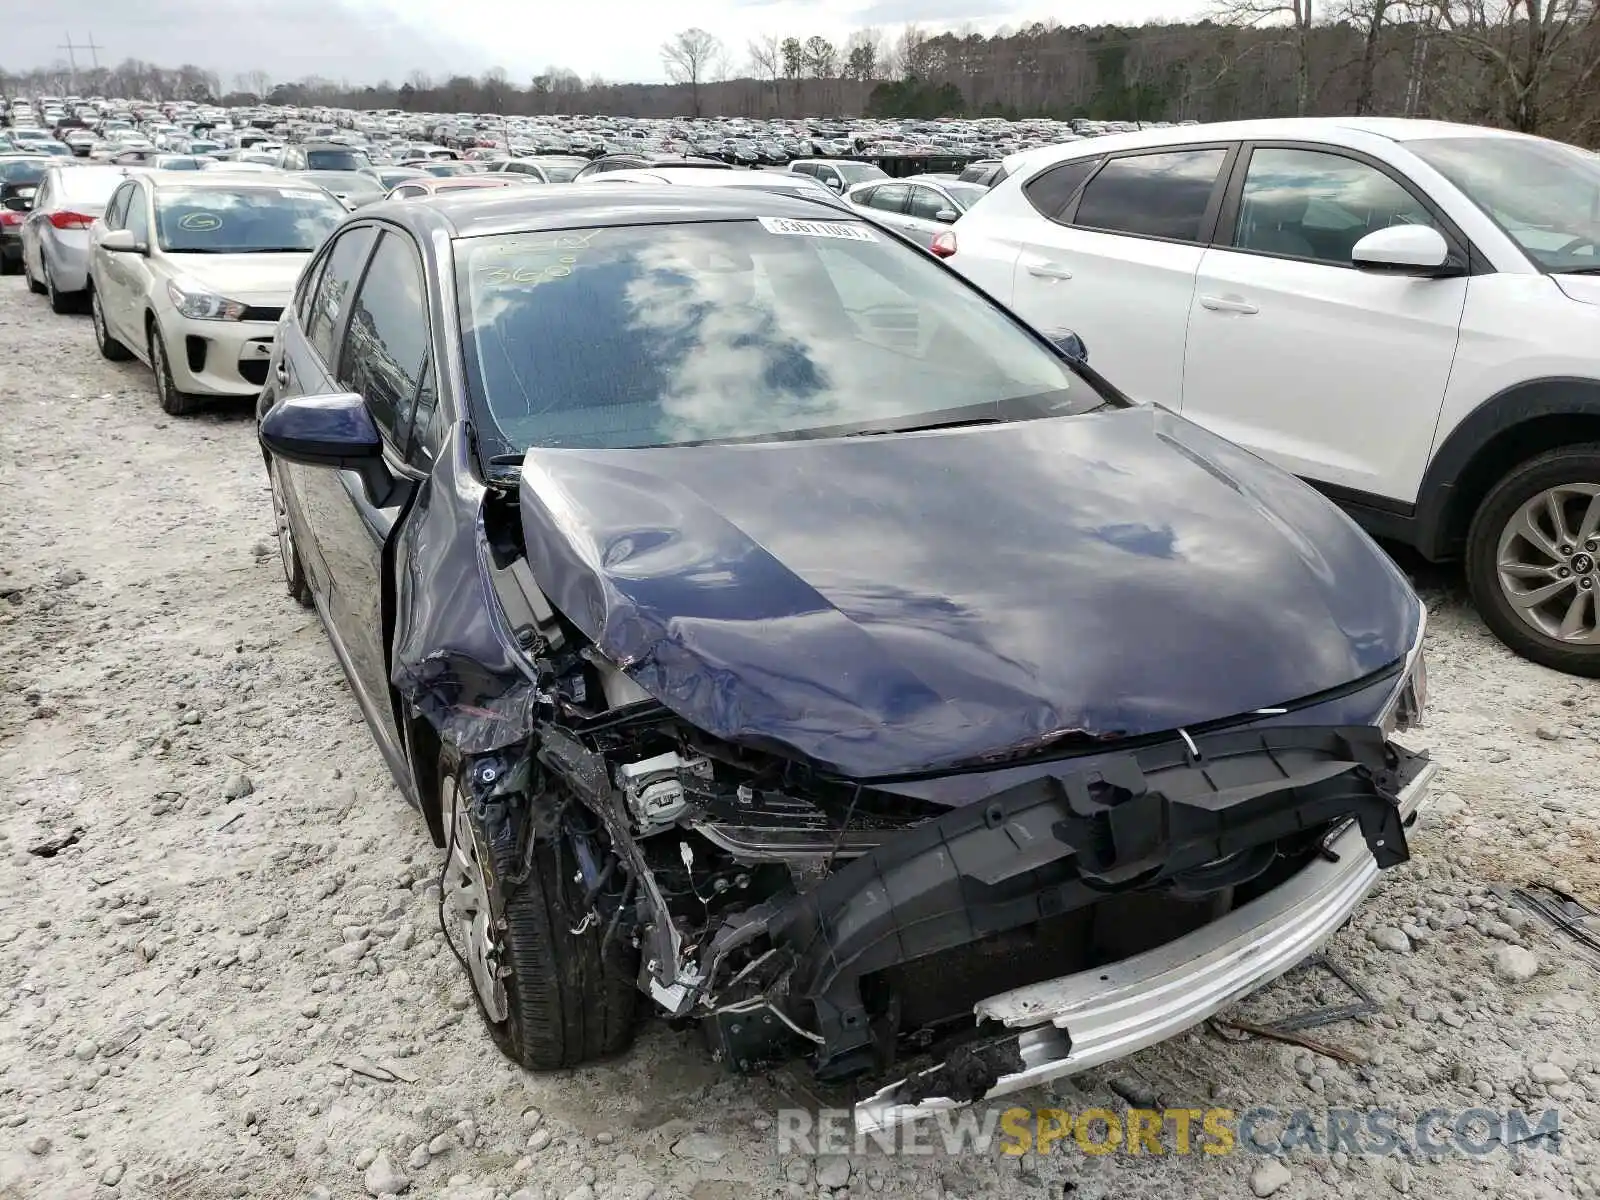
(1532, 65)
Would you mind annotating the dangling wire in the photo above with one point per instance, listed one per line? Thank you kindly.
(843, 829)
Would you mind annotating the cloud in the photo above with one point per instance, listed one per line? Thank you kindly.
(930, 12)
(359, 40)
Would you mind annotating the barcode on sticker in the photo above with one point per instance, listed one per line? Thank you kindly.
(851, 231)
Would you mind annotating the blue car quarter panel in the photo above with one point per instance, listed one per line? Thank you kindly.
(901, 603)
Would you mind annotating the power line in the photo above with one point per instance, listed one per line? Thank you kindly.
(72, 49)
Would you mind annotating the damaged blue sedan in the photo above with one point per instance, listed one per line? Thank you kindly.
(772, 629)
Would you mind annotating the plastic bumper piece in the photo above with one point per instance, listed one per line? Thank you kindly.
(1079, 1021)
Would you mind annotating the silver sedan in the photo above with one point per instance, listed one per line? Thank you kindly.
(55, 237)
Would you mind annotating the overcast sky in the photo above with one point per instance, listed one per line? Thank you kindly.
(363, 41)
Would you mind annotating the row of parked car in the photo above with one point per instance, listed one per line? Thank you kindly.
(774, 615)
(1402, 313)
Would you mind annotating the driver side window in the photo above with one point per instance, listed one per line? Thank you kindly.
(1313, 205)
(117, 210)
(138, 220)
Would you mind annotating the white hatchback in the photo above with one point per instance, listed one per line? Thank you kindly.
(191, 272)
(1404, 313)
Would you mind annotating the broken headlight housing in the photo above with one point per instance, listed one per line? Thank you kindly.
(1404, 709)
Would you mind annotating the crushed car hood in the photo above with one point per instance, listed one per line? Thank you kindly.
(892, 604)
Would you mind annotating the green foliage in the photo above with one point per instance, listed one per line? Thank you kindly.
(910, 97)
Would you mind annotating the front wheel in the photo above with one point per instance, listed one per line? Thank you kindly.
(294, 572)
(1533, 559)
(173, 402)
(549, 996)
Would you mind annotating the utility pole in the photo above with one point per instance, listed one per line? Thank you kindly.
(72, 61)
(72, 57)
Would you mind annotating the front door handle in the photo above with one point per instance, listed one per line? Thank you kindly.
(281, 372)
(1229, 304)
(1049, 271)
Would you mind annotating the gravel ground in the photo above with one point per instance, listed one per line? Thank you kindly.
(194, 995)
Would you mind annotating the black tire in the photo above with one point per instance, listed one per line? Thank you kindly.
(60, 302)
(565, 1004)
(7, 267)
(294, 571)
(110, 348)
(173, 402)
(1578, 464)
(34, 285)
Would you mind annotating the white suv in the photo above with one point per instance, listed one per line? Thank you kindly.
(1404, 313)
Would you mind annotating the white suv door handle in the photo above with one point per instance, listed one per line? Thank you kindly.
(1049, 271)
(1228, 304)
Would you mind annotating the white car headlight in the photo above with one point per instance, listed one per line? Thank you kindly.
(200, 305)
(1405, 709)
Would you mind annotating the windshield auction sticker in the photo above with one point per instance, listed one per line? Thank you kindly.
(849, 232)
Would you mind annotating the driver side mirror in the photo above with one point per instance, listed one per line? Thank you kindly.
(946, 215)
(122, 241)
(834, 183)
(1404, 250)
(1070, 344)
(20, 204)
(333, 431)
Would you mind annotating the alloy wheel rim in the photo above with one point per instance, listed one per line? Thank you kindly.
(466, 901)
(1548, 563)
(280, 513)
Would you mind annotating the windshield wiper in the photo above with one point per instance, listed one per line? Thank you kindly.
(923, 427)
(1577, 271)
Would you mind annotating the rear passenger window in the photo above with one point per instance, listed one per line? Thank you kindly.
(345, 260)
(891, 197)
(1051, 191)
(1152, 195)
(386, 340)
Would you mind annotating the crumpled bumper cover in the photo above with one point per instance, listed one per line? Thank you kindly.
(1079, 1021)
(1181, 814)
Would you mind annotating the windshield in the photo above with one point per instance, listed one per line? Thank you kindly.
(854, 172)
(659, 334)
(561, 172)
(249, 220)
(965, 194)
(344, 181)
(336, 160)
(1545, 195)
(23, 170)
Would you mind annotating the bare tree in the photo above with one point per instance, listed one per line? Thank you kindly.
(861, 56)
(911, 54)
(1297, 16)
(766, 64)
(693, 57)
(1522, 43)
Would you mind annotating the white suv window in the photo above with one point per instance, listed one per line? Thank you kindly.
(1161, 195)
(1315, 205)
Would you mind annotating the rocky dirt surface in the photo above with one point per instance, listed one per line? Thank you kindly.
(220, 967)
